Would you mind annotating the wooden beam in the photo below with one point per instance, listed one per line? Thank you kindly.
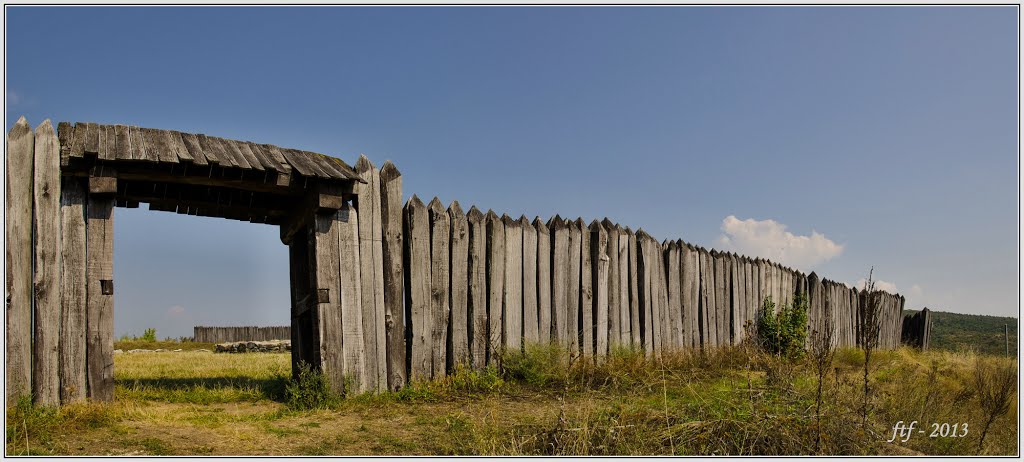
(477, 300)
(72, 291)
(46, 326)
(371, 273)
(512, 313)
(100, 297)
(495, 284)
(18, 254)
(351, 298)
(320, 198)
(440, 233)
(326, 274)
(417, 293)
(458, 326)
(394, 280)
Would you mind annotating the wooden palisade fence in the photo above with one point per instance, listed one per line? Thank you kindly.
(383, 292)
(218, 334)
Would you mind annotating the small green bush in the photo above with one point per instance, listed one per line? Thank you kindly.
(310, 391)
(784, 333)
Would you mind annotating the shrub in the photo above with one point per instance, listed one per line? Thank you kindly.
(994, 383)
(311, 390)
(149, 335)
(784, 333)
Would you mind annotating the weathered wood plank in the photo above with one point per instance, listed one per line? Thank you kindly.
(587, 324)
(531, 329)
(675, 294)
(100, 297)
(417, 293)
(354, 353)
(18, 254)
(646, 305)
(91, 138)
(708, 304)
(611, 252)
(736, 305)
(155, 142)
(72, 291)
(495, 284)
(622, 292)
(512, 326)
(138, 148)
(543, 281)
(107, 144)
(572, 294)
(371, 273)
(66, 136)
(458, 338)
(635, 330)
(601, 262)
(440, 305)
(46, 210)
(394, 279)
(477, 300)
(325, 251)
(559, 281)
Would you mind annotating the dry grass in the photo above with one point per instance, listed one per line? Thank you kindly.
(734, 401)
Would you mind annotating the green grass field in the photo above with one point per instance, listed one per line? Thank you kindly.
(735, 401)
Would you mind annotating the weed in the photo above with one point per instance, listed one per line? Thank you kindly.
(311, 390)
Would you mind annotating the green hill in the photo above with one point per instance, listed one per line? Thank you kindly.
(983, 334)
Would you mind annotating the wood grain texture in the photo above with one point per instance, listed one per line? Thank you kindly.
(675, 294)
(371, 274)
(644, 271)
(572, 294)
(531, 329)
(72, 291)
(18, 255)
(512, 311)
(458, 326)
(610, 233)
(392, 248)
(324, 244)
(587, 324)
(495, 284)
(477, 300)
(559, 281)
(46, 325)
(354, 353)
(601, 285)
(417, 284)
(440, 305)
(543, 281)
(99, 305)
(635, 334)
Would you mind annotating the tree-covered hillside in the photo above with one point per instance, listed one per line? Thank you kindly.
(984, 334)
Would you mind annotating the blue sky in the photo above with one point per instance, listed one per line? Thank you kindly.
(882, 136)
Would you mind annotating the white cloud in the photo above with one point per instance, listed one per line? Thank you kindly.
(769, 239)
(13, 98)
(880, 285)
(176, 311)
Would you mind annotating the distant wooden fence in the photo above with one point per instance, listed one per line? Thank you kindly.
(240, 333)
(917, 329)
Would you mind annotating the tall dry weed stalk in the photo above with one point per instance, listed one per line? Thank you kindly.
(869, 328)
(995, 384)
(822, 354)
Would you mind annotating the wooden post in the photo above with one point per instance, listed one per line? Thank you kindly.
(45, 364)
(686, 292)
(707, 300)
(394, 279)
(347, 218)
(645, 270)
(18, 254)
(573, 289)
(624, 333)
(512, 328)
(495, 284)
(458, 328)
(531, 332)
(477, 301)
(100, 296)
(611, 252)
(417, 294)
(440, 307)
(543, 281)
(371, 259)
(601, 285)
(559, 281)
(325, 259)
(675, 294)
(635, 325)
(587, 323)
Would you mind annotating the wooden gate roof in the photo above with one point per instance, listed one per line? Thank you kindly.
(122, 143)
